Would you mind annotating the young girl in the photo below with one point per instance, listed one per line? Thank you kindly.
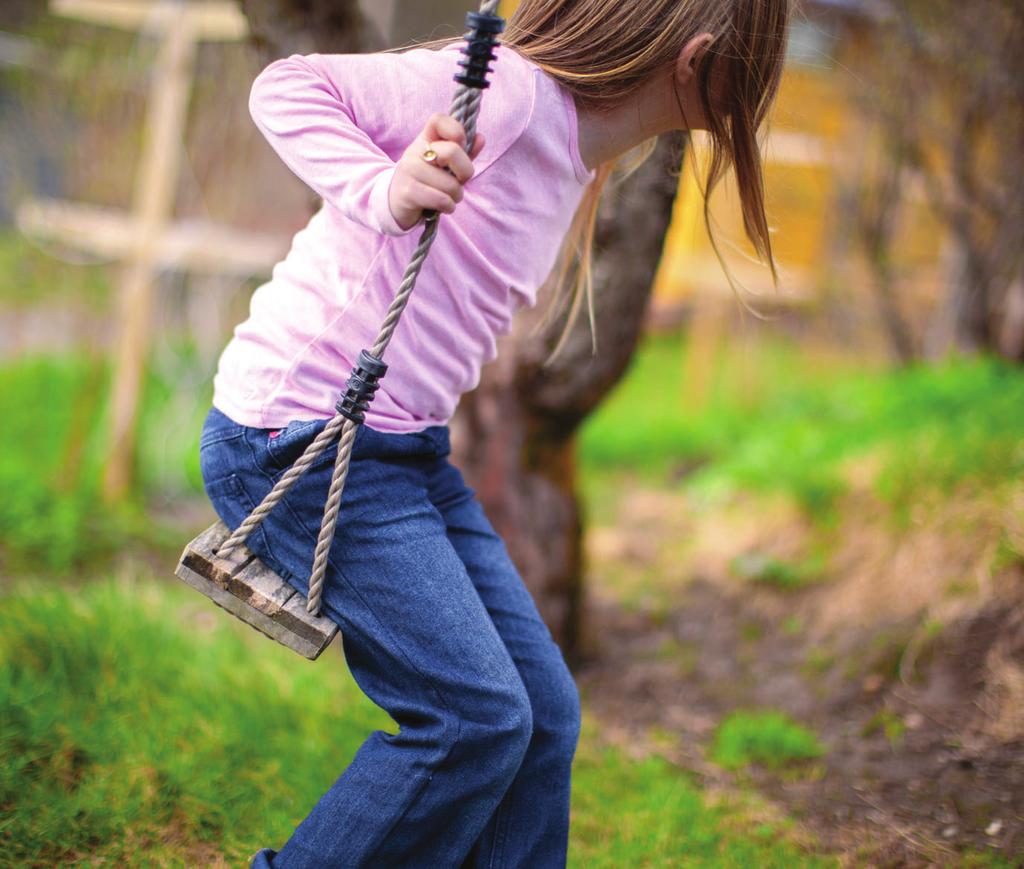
(437, 626)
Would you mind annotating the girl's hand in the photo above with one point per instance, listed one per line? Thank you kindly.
(418, 185)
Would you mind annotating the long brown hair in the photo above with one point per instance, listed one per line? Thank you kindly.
(602, 51)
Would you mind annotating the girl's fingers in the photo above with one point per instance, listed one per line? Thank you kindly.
(442, 126)
(432, 198)
(455, 158)
(438, 178)
(436, 186)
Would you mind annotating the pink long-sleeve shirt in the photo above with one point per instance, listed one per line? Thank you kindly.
(340, 122)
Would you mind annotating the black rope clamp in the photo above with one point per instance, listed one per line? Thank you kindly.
(481, 39)
(362, 384)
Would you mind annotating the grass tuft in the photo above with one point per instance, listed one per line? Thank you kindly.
(769, 738)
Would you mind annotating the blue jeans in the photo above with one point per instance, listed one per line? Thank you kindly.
(439, 630)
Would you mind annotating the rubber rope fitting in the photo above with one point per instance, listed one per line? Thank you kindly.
(482, 40)
(362, 384)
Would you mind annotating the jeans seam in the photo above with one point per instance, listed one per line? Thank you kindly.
(275, 452)
(500, 830)
(420, 790)
(217, 439)
(295, 426)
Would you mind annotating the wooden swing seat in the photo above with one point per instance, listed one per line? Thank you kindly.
(251, 591)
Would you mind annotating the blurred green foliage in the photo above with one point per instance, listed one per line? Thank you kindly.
(52, 518)
(32, 276)
(48, 517)
(778, 419)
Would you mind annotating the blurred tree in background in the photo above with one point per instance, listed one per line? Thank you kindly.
(945, 84)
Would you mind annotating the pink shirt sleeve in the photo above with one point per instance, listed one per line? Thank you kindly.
(341, 121)
(310, 124)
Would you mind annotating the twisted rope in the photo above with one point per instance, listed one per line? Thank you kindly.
(465, 108)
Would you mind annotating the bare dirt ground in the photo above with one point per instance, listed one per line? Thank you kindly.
(906, 656)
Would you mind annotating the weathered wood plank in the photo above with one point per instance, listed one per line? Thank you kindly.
(208, 21)
(314, 625)
(260, 587)
(193, 245)
(199, 555)
(248, 589)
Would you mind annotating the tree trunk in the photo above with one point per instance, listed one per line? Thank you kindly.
(877, 219)
(283, 27)
(514, 436)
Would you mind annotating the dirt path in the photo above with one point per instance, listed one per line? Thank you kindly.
(921, 718)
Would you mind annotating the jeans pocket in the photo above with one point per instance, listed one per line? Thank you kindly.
(285, 446)
(229, 499)
(232, 503)
(217, 427)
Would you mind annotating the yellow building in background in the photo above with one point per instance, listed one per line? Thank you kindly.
(816, 148)
(803, 152)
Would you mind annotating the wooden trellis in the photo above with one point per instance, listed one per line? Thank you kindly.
(145, 239)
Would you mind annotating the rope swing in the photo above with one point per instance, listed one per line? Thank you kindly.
(203, 554)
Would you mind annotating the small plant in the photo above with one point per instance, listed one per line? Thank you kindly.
(817, 662)
(1008, 552)
(770, 738)
(889, 723)
(751, 632)
(793, 626)
(768, 570)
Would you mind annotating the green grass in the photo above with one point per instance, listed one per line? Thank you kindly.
(55, 412)
(32, 275)
(140, 725)
(629, 813)
(768, 738)
(48, 472)
(780, 419)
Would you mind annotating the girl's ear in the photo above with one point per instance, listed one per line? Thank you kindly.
(690, 57)
(684, 82)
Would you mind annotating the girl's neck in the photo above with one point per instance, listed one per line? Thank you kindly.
(603, 135)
